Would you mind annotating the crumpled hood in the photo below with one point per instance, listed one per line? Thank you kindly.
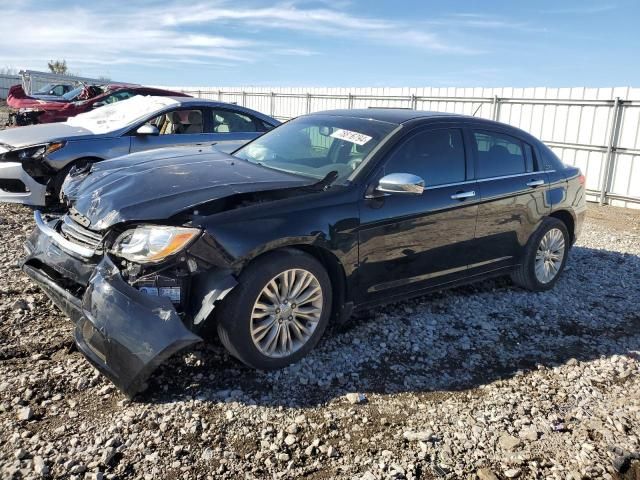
(37, 134)
(157, 184)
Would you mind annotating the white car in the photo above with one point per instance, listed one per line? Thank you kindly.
(34, 160)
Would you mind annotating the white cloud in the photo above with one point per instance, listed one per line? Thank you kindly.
(156, 33)
(323, 21)
(584, 9)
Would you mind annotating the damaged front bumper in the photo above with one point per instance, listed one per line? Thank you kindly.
(124, 332)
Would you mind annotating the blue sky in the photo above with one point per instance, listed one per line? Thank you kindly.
(331, 43)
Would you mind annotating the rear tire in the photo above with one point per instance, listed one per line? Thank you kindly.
(545, 257)
(262, 309)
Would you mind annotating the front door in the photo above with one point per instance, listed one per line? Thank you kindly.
(413, 242)
(225, 129)
(177, 127)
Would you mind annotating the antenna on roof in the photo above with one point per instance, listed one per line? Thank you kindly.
(476, 111)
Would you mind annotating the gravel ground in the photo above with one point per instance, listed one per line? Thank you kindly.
(4, 114)
(487, 381)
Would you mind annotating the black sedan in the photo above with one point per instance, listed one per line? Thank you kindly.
(329, 213)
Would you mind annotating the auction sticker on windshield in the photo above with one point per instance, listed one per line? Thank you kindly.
(350, 136)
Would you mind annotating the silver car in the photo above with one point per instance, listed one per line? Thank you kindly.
(34, 160)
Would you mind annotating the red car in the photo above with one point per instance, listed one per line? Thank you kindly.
(31, 110)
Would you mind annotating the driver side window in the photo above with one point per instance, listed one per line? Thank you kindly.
(437, 156)
(178, 122)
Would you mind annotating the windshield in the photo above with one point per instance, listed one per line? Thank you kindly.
(73, 93)
(316, 145)
(45, 89)
(121, 114)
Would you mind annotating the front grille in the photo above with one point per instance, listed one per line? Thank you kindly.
(76, 233)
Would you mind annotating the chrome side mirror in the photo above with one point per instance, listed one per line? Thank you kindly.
(403, 183)
(147, 129)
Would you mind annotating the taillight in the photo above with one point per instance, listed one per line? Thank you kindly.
(582, 179)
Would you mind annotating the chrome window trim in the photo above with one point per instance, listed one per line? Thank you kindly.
(467, 182)
(514, 175)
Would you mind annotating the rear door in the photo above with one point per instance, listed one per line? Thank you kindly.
(512, 192)
(232, 129)
(413, 242)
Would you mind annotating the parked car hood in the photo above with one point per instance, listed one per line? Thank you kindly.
(37, 134)
(157, 184)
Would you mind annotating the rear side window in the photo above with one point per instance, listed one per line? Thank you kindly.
(226, 121)
(549, 159)
(499, 155)
(437, 156)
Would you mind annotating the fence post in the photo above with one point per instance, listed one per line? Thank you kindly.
(414, 102)
(244, 98)
(607, 170)
(308, 102)
(350, 101)
(272, 104)
(495, 113)
(219, 95)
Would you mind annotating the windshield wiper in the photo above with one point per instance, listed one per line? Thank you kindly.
(328, 179)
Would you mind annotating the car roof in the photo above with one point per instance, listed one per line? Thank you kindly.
(404, 115)
(391, 115)
(204, 102)
(212, 103)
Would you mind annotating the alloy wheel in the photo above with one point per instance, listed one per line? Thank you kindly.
(286, 313)
(549, 255)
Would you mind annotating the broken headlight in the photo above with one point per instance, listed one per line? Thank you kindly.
(152, 243)
(39, 150)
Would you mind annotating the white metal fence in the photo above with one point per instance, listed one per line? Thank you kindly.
(6, 82)
(597, 129)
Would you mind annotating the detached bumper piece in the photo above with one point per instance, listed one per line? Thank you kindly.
(123, 332)
(127, 334)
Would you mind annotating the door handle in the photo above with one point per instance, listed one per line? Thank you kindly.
(535, 183)
(463, 195)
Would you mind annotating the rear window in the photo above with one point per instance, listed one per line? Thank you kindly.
(499, 155)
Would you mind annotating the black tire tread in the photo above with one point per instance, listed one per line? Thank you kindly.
(229, 312)
(524, 275)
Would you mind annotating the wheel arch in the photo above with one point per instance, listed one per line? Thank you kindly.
(567, 218)
(85, 158)
(332, 265)
(55, 183)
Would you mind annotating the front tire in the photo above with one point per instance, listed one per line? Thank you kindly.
(278, 312)
(545, 257)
